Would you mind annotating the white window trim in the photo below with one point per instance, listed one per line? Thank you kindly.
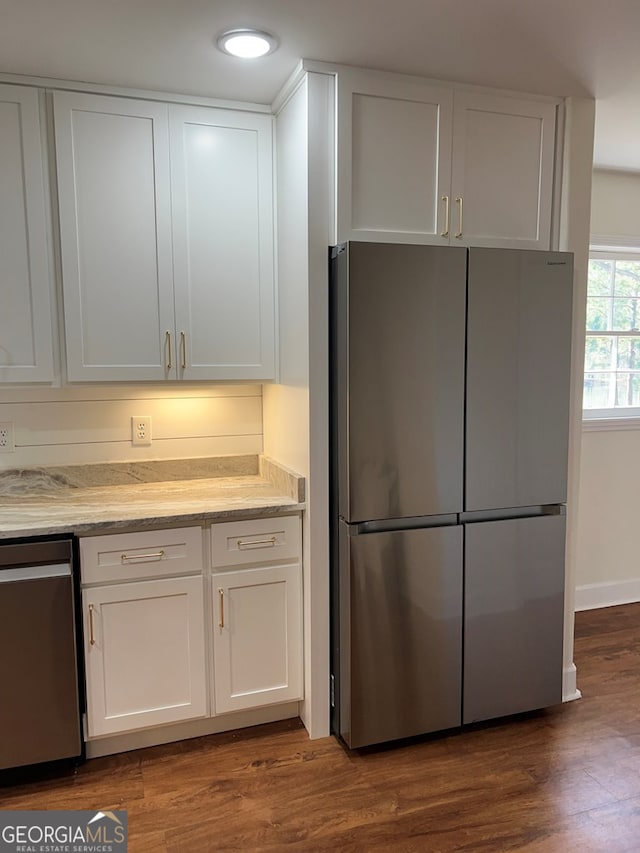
(600, 424)
(627, 249)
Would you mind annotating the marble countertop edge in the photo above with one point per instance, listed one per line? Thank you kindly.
(92, 499)
(128, 520)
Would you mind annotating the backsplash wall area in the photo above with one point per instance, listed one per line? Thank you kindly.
(79, 425)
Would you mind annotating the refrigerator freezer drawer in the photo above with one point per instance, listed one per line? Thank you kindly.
(514, 616)
(401, 633)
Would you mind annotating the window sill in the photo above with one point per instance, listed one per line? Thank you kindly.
(604, 424)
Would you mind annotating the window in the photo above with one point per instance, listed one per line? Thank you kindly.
(612, 347)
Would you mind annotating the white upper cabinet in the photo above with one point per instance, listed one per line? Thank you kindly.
(502, 178)
(394, 158)
(419, 163)
(25, 318)
(167, 240)
(222, 197)
(115, 228)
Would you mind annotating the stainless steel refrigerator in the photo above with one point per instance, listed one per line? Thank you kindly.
(450, 376)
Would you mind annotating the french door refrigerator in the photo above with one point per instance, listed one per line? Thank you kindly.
(449, 428)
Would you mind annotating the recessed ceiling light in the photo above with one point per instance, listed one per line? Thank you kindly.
(247, 43)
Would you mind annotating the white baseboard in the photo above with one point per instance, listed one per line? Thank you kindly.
(594, 595)
(570, 691)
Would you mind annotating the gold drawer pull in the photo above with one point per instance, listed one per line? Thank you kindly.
(92, 641)
(157, 555)
(221, 600)
(254, 542)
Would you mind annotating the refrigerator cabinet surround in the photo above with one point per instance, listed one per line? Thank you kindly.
(449, 373)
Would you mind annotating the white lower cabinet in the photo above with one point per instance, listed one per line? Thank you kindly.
(144, 629)
(258, 637)
(147, 645)
(257, 612)
(144, 645)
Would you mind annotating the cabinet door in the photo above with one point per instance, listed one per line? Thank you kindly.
(145, 654)
(257, 637)
(394, 159)
(25, 318)
(115, 229)
(221, 168)
(502, 174)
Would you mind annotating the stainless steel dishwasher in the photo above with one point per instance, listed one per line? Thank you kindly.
(39, 698)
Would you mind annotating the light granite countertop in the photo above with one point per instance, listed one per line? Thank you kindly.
(106, 497)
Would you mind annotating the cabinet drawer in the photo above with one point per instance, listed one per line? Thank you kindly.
(263, 540)
(135, 556)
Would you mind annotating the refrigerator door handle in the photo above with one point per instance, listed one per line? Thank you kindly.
(389, 525)
(510, 513)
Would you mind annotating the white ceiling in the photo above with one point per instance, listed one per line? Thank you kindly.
(557, 47)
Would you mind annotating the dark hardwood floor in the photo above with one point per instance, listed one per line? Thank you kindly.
(565, 779)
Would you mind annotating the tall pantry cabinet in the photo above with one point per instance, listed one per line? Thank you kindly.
(167, 240)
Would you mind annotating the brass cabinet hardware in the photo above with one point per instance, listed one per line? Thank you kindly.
(183, 350)
(156, 555)
(447, 216)
(167, 338)
(459, 202)
(245, 544)
(92, 641)
(221, 602)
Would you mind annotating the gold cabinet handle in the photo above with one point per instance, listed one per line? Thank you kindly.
(183, 350)
(156, 555)
(447, 215)
(459, 203)
(221, 603)
(167, 340)
(253, 542)
(92, 641)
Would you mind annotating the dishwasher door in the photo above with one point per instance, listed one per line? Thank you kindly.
(39, 706)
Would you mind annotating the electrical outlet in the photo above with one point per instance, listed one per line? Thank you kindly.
(141, 429)
(7, 444)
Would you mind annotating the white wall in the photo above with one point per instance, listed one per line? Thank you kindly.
(615, 204)
(66, 426)
(608, 567)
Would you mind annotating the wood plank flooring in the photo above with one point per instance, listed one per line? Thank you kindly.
(565, 779)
